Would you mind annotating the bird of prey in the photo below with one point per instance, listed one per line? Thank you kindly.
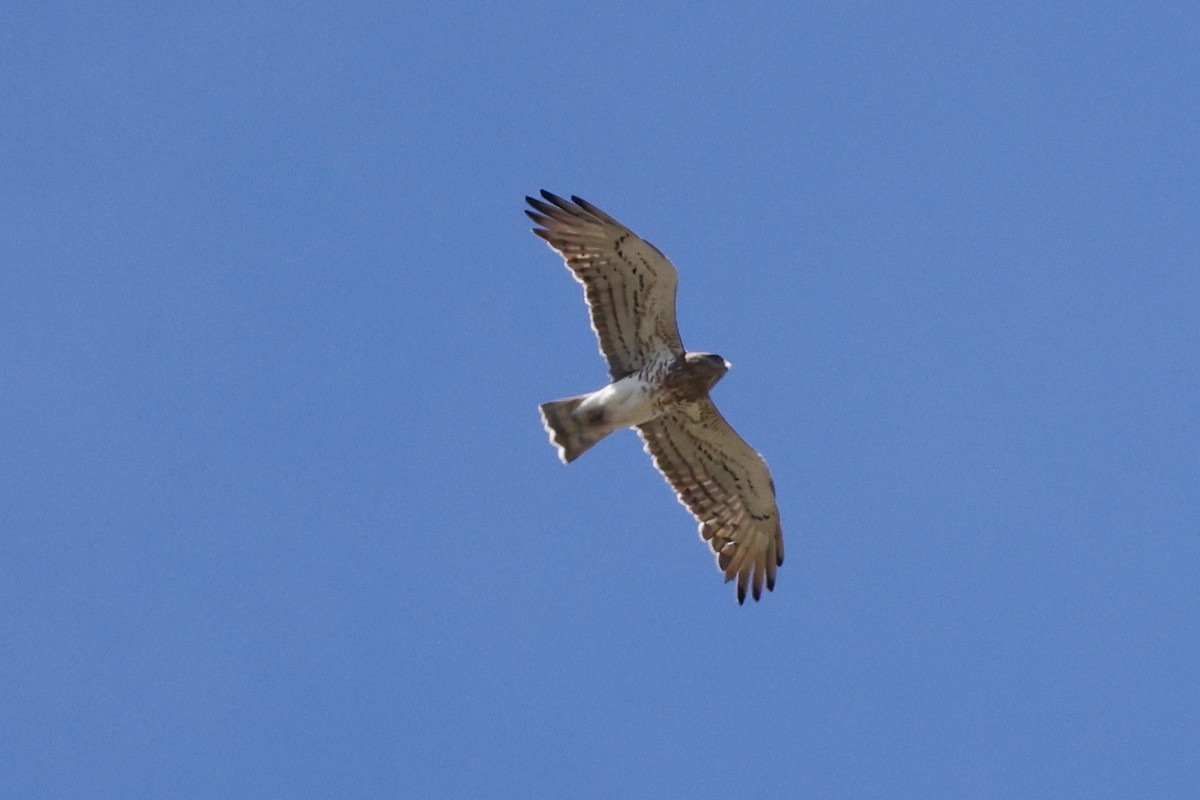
(661, 389)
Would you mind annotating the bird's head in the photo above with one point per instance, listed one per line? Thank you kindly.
(708, 365)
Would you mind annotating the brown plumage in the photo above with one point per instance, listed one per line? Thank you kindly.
(660, 389)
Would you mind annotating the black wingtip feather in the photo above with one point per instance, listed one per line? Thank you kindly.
(545, 208)
(589, 208)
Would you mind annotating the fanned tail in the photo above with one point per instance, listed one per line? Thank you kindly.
(571, 433)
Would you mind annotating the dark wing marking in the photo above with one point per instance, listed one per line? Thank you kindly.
(726, 486)
(629, 285)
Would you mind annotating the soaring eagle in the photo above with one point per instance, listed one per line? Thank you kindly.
(661, 389)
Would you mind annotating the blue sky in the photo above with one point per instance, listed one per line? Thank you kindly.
(279, 518)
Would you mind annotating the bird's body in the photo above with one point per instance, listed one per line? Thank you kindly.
(630, 401)
(624, 403)
(661, 389)
(577, 423)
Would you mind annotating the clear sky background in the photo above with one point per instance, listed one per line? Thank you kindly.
(278, 515)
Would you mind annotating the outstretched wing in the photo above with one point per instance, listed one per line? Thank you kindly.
(628, 283)
(726, 486)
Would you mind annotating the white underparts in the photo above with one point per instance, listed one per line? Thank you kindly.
(623, 404)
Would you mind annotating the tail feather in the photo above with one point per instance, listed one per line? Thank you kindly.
(571, 433)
